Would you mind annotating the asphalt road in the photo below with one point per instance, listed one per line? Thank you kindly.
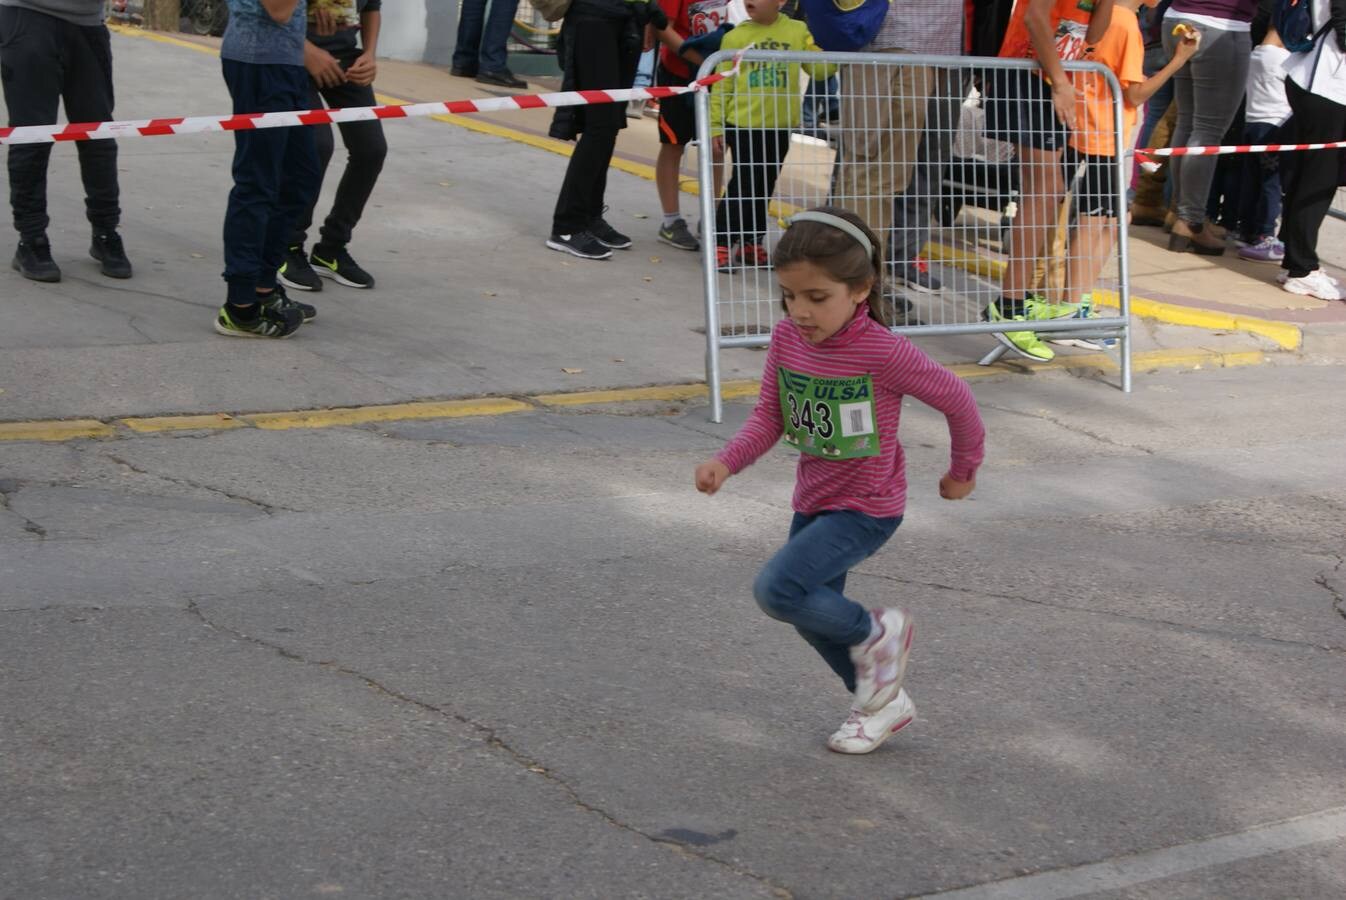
(517, 656)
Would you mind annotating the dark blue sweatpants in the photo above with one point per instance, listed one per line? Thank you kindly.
(276, 176)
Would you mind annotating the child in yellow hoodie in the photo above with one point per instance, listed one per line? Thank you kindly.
(753, 114)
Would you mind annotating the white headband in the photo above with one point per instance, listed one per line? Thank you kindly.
(836, 222)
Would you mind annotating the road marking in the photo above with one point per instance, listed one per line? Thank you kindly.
(1276, 837)
(288, 420)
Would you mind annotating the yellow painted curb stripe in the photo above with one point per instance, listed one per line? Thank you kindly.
(153, 424)
(59, 430)
(64, 430)
(1286, 335)
(160, 37)
(393, 412)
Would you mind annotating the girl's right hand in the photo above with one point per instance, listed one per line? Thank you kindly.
(710, 475)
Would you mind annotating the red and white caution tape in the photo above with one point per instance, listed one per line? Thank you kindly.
(90, 131)
(1237, 148)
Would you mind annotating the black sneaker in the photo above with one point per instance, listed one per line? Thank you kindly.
(338, 266)
(32, 260)
(581, 244)
(917, 276)
(273, 321)
(108, 250)
(501, 78)
(281, 300)
(296, 274)
(608, 236)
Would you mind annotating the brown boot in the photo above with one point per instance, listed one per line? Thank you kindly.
(1169, 218)
(1147, 215)
(1186, 237)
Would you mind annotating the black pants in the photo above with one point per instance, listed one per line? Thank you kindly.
(366, 149)
(757, 154)
(1313, 179)
(600, 64)
(43, 60)
(275, 176)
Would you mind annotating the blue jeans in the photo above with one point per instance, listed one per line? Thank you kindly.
(821, 100)
(802, 583)
(482, 35)
(645, 70)
(276, 176)
(1260, 207)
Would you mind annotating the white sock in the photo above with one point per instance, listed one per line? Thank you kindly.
(670, 218)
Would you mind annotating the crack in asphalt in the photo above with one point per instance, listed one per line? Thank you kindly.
(1068, 426)
(267, 508)
(9, 487)
(1181, 626)
(494, 741)
(1323, 580)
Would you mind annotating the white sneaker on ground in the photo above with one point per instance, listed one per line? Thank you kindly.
(1283, 276)
(863, 732)
(1315, 284)
(881, 661)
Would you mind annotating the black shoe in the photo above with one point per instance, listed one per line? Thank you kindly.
(33, 260)
(338, 266)
(108, 250)
(463, 71)
(296, 274)
(502, 78)
(281, 301)
(270, 322)
(608, 236)
(581, 244)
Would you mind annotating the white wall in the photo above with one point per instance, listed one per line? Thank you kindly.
(403, 35)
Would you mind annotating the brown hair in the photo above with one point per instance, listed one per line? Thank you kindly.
(837, 253)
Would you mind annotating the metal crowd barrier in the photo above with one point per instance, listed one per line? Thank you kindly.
(911, 155)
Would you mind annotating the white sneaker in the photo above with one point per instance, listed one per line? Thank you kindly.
(881, 661)
(1315, 284)
(1283, 276)
(863, 732)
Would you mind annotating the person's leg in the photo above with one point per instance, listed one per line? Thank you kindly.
(730, 217)
(1216, 79)
(30, 70)
(597, 49)
(495, 35)
(1314, 183)
(366, 149)
(89, 98)
(798, 584)
(1150, 205)
(300, 180)
(326, 146)
(467, 47)
(914, 206)
(882, 120)
(772, 146)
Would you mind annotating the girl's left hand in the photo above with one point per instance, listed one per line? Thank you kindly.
(951, 488)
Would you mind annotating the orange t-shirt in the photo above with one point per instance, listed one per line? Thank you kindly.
(1122, 49)
(1070, 20)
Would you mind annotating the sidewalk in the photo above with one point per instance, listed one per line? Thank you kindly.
(469, 302)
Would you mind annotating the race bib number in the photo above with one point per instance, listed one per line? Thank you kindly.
(828, 417)
(1070, 39)
(705, 16)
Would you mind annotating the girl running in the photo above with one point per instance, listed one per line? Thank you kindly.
(833, 386)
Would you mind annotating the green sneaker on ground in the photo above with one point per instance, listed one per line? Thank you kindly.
(1037, 310)
(1025, 343)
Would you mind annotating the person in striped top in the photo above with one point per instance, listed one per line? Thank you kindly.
(832, 386)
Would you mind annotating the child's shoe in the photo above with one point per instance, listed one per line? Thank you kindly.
(1266, 249)
(881, 661)
(724, 259)
(753, 256)
(863, 732)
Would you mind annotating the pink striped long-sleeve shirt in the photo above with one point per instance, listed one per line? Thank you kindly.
(874, 485)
